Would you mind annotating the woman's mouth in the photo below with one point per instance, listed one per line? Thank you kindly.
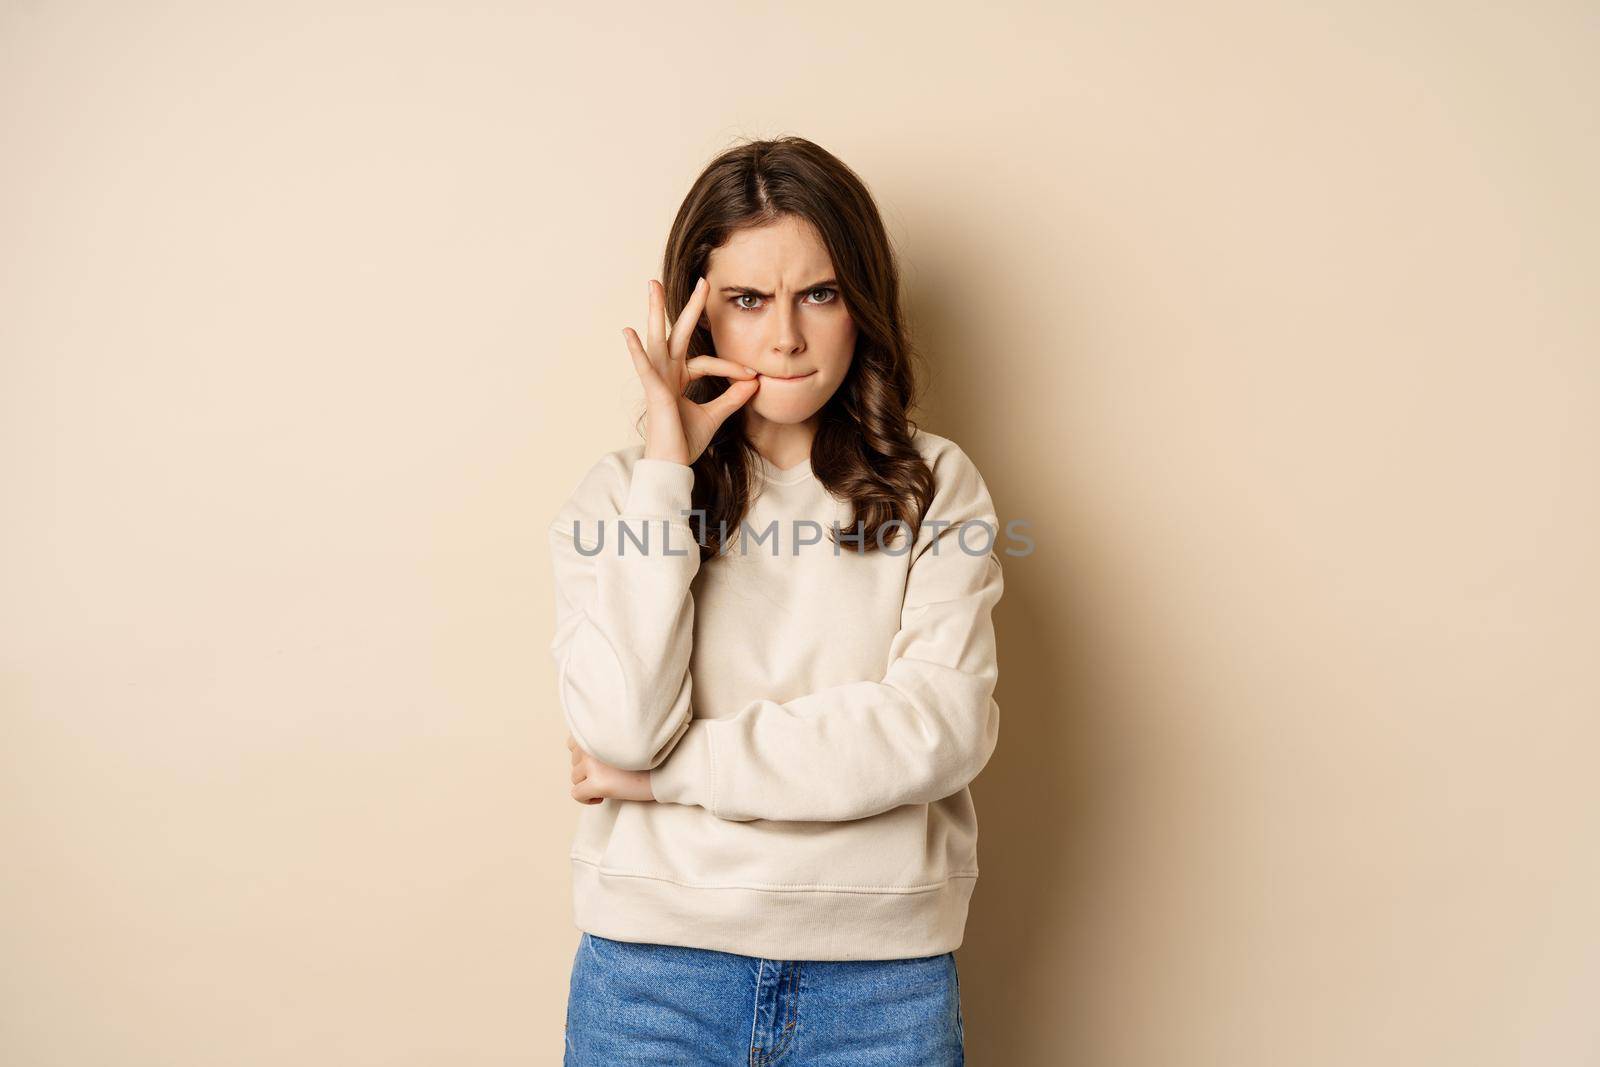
(790, 378)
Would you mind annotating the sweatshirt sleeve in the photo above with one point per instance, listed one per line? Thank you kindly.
(853, 750)
(624, 557)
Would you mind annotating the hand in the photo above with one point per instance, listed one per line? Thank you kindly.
(677, 428)
(593, 781)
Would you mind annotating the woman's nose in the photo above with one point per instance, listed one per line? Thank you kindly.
(786, 327)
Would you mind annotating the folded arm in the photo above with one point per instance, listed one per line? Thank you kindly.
(849, 751)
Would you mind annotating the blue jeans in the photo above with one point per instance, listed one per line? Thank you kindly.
(658, 1005)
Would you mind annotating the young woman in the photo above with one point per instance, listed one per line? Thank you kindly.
(775, 654)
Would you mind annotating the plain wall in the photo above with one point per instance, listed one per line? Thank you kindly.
(1276, 321)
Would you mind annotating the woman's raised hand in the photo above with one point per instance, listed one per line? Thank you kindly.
(677, 428)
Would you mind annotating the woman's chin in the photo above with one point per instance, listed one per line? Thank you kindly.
(783, 411)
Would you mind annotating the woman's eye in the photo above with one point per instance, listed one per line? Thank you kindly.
(744, 296)
(824, 289)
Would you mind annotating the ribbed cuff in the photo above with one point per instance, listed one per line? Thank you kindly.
(660, 489)
(687, 776)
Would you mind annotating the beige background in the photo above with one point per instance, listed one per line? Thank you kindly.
(1278, 321)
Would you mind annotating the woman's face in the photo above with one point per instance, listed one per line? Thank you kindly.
(773, 305)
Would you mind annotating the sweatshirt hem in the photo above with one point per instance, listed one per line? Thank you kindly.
(774, 921)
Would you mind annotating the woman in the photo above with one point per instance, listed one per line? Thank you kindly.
(775, 655)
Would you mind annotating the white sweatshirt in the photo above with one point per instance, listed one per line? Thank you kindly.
(811, 715)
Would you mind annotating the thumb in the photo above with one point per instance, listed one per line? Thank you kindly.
(731, 399)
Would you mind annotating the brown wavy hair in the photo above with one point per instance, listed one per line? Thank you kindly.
(862, 451)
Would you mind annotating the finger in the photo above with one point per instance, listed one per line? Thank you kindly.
(656, 329)
(683, 328)
(701, 366)
(648, 375)
(731, 399)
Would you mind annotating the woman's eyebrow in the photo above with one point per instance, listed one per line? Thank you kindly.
(748, 291)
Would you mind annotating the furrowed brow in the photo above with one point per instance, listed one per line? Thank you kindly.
(745, 290)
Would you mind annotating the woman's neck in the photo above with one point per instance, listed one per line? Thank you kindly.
(783, 444)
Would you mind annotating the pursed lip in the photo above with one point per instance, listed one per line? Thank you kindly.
(789, 378)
